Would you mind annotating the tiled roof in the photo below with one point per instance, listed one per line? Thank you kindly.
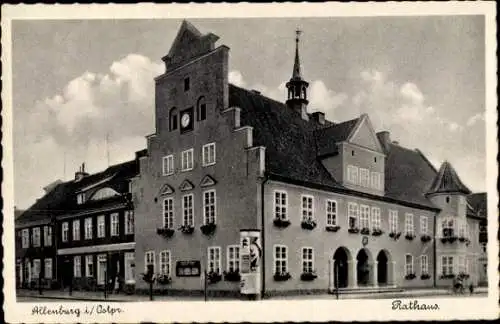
(448, 181)
(61, 199)
(477, 205)
(293, 147)
(328, 137)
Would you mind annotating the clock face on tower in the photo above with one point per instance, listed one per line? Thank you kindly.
(187, 120)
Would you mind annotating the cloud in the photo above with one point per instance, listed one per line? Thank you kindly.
(236, 78)
(473, 120)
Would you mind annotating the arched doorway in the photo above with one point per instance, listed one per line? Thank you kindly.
(363, 267)
(341, 268)
(382, 268)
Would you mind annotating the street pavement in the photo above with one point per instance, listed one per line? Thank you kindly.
(59, 296)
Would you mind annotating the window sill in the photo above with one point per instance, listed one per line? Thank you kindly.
(208, 164)
(168, 174)
(187, 170)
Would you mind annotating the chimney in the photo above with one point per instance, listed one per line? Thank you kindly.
(80, 174)
(319, 117)
(385, 139)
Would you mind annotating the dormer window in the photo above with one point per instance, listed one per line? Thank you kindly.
(187, 84)
(80, 198)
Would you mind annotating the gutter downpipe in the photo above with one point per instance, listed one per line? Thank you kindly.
(263, 182)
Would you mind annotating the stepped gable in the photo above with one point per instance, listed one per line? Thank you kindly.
(447, 181)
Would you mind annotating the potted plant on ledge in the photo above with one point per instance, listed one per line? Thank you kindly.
(395, 235)
(163, 279)
(165, 232)
(425, 276)
(409, 236)
(233, 275)
(425, 238)
(213, 277)
(282, 276)
(278, 222)
(332, 228)
(353, 230)
(447, 276)
(187, 229)
(365, 231)
(410, 276)
(377, 232)
(308, 276)
(208, 228)
(308, 224)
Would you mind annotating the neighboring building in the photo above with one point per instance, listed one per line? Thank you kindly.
(477, 214)
(338, 205)
(90, 221)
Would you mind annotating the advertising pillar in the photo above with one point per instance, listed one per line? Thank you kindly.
(250, 269)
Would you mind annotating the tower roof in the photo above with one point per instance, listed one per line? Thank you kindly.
(447, 181)
(296, 74)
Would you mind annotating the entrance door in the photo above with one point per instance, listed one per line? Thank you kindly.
(382, 268)
(101, 269)
(363, 268)
(340, 268)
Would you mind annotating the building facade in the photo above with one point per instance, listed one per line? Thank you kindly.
(88, 232)
(338, 205)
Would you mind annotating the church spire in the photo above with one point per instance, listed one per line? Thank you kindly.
(297, 87)
(296, 75)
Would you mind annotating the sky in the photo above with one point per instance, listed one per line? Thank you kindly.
(78, 82)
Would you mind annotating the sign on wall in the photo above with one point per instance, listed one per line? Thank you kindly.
(250, 268)
(190, 268)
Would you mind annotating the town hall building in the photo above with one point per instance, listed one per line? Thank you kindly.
(336, 205)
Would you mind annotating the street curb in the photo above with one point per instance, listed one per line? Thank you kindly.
(76, 298)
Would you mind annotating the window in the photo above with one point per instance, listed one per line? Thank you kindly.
(352, 212)
(47, 235)
(209, 207)
(307, 208)
(187, 84)
(462, 231)
(331, 213)
(76, 230)
(208, 157)
(409, 224)
(364, 216)
(408, 264)
(307, 260)
(129, 222)
(165, 263)
(187, 160)
(168, 165)
(424, 224)
(352, 173)
(233, 258)
(48, 269)
(280, 259)
(173, 119)
(80, 198)
(393, 221)
(168, 213)
(187, 210)
(36, 236)
(101, 269)
(376, 220)
(446, 265)
(280, 205)
(89, 265)
(77, 266)
(115, 224)
(201, 109)
(36, 268)
(424, 264)
(88, 228)
(447, 199)
(149, 259)
(25, 238)
(129, 268)
(364, 177)
(448, 226)
(214, 259)
(376, 180)
(64, 231)
(101, 226)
